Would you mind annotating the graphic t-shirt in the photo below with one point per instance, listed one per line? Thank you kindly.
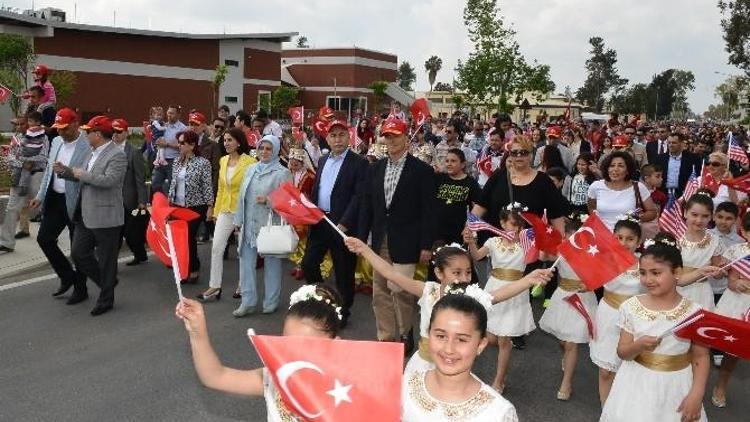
(454, 198)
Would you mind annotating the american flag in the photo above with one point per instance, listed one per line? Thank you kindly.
(671, 219)
(691, 187)
(735, 151)
(476, 224)
(527, 243)
(743, 267)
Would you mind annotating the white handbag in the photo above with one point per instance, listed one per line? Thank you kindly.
(276, 239)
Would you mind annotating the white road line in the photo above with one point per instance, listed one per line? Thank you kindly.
(51, 276)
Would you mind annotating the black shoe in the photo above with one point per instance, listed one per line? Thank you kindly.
(21, 235)
(135, 261)
(236, 295)
(519, 343)
(77, 297)
(5, 249)
(64, 287)
(100, 309)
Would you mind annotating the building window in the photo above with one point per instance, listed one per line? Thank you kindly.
(230, 99)
(264, 100)
(346, 105)
(234, 63)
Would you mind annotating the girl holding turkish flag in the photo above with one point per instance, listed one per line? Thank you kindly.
(662, 377)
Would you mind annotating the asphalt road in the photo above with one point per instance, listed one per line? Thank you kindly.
(133, 364)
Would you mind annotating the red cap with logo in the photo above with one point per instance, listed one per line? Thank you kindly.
(553, 132)
(325, 113)
(393, 126)
(64, 117)
(196, 117)
(41, 69)
(621, 141)
(120, 125)
(98, 124)
(337, 123)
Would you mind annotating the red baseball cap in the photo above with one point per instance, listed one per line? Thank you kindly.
(64, 117)
(196, 117)
(621, 141)
(98, 123)
(393, 126)
(553, 132)
(41, 69)
(336, 123)
(120, 125)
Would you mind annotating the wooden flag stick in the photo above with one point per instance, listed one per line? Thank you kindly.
(335, 227)
(680, 325)
(175, 263)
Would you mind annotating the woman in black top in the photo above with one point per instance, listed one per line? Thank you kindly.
(456, 194)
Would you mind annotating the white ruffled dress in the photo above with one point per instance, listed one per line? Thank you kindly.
(696, 255)
(420, 361)
(560, 318)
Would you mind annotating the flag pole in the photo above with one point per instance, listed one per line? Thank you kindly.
(335, 227)
(680, 325)
(723, 267)
(175, 263)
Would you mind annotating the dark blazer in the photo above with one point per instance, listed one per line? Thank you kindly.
(409, 223)
(652, 151)
(134, 185)
(345, 196)
(688, 163)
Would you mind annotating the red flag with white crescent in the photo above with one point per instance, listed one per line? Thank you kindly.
(320, 128)
(294, 206)
(156, 232)
(717, 332)
(318, 380)
(297, 133)
(297, 115)
(5, 94)
(420, 111)
(253, 137)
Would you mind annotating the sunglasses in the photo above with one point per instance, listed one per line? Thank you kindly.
(218, 127)
(715, 164)
(519, 153)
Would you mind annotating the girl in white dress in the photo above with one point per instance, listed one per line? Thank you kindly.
(734, 303)
(450, 392)
(699, 249)
(662, 377)
(314, 311)
(512, 317)
(560, 318)
(452, 265)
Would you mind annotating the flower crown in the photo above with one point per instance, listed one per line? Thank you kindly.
(452, 245)
(582, 217)
(516, 206)
(702, 192)
(473, 291)
(310, 292)
(629, 217)
(651, 242)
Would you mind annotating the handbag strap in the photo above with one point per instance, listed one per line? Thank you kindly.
(510, 185)
(638, 200)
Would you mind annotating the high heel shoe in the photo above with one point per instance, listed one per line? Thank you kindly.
(215, 293)
(236, 295)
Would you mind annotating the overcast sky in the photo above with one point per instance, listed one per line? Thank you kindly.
(649, 36)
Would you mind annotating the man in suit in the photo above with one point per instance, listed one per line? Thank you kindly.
(336, 191)
(58, 197)
(398, 205)
(658, 146)
(678, 165)
(134, 195)
(99, 214)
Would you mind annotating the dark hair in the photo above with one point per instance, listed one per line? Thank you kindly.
(506, 215)
(239, 136)
(557, 172)
(319, 311)
(649, 169)
(551, 157)
(175, 107)
(630, 225)
(38, 89)
(629, 164)
(730, 207)
(466, 305)
(244, 118)
(190, 138)
(663, 251)
(34, 115)
(458, 153)
(224, 108)
(746, 222)
(702, 197)
(261, 114)
(588, 175)
(443, 255)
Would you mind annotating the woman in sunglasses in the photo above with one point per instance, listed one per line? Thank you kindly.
(718, 168)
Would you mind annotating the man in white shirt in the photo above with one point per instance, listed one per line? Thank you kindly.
(270, 127)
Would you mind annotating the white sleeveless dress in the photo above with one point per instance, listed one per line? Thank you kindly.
(511, 317)
(734, 304)
(560, 318)
(420, 361)
(696, 255)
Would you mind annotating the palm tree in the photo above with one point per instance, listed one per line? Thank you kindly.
(432, 66)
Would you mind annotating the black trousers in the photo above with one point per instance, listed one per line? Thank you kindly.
(134, 233)
(320, 240)
(95, 254)
(55, 220)
(195, 263)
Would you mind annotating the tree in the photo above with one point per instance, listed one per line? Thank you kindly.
(732, 92)
(282, 98)
(602, 75)
(302, 42)
(220, 76)
(458, 101)
(65, 83)
(406, 76)
(443, 87)
(735, 23)
(378, 91)
(432, 66)
(496, 70)
(16, 58)
(668, 93)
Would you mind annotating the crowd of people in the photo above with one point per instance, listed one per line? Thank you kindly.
(400, 193)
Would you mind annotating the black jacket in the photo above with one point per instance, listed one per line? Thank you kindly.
(345, 196)
(409, 223)
(689, 162)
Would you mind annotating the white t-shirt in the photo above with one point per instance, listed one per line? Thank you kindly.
(64, 155)
(611, 204)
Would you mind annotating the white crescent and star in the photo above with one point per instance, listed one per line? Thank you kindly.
(581, 230)
(705, 333)
(340, 392)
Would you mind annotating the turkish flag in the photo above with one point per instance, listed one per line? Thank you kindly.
(297, 133)
(318, 379)
(485, 165)
(354, 140)
(741, 183)
(420, 110)
(320, 128)
(718, 332)
(595, 254)
(297, 114)
(5, 94)
(253, 137)
(546, 238)
(156, 233)
(291, 204)
(708, 181)
(575, 301)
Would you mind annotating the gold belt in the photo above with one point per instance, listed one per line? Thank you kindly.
(571, 285)
(424, 349)
(614, 299)
(663, 363)
(688, 270)
(507, 274)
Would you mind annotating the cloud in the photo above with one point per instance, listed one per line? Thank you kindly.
(649, 37)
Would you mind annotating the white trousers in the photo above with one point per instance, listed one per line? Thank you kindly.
(222, 231)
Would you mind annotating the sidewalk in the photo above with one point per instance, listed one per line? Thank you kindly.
(27, 256)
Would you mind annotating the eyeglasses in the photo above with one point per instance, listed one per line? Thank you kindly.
(519, 152)
(265, 148)
(715, 164)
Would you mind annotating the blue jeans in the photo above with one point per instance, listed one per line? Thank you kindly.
(271, 279)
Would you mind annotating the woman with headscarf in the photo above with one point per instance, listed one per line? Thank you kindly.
(253, 209)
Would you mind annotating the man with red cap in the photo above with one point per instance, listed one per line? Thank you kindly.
(336, 191)
(398, 206)
(211, 151)
(134, 194)
(58, 198)
(99, 214)
(553, 134)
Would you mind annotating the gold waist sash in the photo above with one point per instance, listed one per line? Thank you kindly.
(663, 363)
(424, 349)
(688, 270)
(614, 299)
(571, 285)
(507, 274)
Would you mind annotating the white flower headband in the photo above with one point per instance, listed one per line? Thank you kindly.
(651, 242)
(310, 292)
(628, 217)
(452, 245)
(579, 216)
(702, 192)
(473, 291)
(516, 206)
